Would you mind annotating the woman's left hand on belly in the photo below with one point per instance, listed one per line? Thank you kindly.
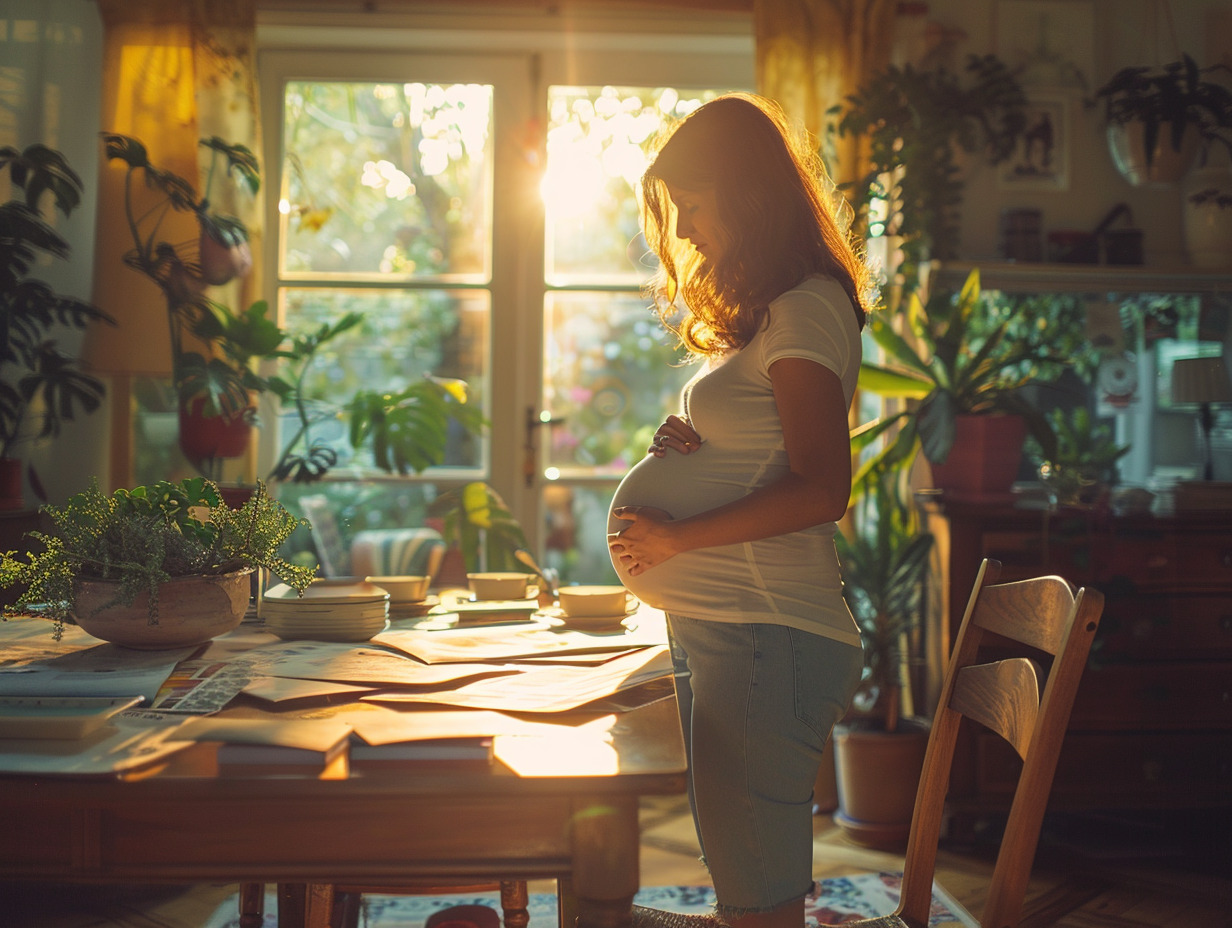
(646, 542)
(674, 433)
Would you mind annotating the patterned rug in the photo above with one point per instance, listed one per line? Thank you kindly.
(840, 900)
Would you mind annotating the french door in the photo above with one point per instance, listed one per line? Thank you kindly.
(478, 210)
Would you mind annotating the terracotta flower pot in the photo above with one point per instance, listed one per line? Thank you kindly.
(205, 437)
(985, 457)
(878, 775)
(191, 611)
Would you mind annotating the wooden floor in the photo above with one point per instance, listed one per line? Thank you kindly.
(1091, 872)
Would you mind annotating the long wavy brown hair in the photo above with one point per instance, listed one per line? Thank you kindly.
(772, 197)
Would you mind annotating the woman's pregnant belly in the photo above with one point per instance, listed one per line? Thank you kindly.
(680, 485)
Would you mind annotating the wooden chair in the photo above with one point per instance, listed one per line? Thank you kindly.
(1020, 623)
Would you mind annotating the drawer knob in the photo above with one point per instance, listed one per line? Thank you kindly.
(1152, 771)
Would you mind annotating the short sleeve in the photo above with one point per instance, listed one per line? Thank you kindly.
(817, 324)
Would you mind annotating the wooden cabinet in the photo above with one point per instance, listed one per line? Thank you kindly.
(1152, 723)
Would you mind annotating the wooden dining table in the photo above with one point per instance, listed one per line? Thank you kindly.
(559, 805)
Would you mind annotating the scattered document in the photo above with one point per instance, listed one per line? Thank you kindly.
(125, 744)
(547, 688)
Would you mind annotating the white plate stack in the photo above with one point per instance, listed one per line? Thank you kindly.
(329, 610)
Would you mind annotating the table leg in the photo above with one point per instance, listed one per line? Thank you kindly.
(605, 861)
(291, 905)
(252, 905)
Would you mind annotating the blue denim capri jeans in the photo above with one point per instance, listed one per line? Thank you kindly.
(757, 703)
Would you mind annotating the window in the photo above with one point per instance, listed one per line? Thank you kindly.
(479, 212)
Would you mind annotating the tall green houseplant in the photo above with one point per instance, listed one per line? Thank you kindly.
(885, 561)
(955, 358)
(36, 376)
(913, 123)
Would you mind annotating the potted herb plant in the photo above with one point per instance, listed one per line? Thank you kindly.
(1159, 117)
(161, 566)
(958, 361)
(879, 752)
(914, 123)
(214, 351)
(37, 379)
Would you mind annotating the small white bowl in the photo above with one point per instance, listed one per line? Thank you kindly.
(589, 602)
(406, 589)
(499, 585)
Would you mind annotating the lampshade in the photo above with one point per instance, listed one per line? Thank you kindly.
(1200, 380)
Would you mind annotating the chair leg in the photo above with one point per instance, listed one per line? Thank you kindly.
(514, 900)
(252, 905)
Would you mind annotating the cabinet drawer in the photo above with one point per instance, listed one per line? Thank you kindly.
(1158, 627)
(1129, 769)
(1198, 561)
(1169, 696)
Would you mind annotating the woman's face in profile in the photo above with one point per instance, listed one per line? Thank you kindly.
(697, 221)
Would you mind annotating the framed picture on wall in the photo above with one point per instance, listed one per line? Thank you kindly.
(1041, 160)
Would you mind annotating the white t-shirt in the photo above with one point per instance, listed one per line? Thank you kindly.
(791, 579)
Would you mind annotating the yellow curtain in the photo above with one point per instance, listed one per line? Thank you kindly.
(174, 72)
(812, 53)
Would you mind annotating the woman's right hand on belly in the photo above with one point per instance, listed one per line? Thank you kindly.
(677, 434)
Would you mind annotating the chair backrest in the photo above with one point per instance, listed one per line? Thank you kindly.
(1039, 632)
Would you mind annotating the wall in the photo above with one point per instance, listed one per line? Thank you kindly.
(1125, 32)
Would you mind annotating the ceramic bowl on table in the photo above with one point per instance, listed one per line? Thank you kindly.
(403, 589)
(499, 585)
(595, 606)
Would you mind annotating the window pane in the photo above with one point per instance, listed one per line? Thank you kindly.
(597, 140)
(387, 178)
(575, 541)
(611, 374)
(405, 335)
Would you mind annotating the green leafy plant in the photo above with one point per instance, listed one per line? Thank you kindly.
(885, 563)
(1081, 457)
(33, 369)
(142, 537)
(1170, 99)
(224, 373)
(407, 429)
(955, 359)
(475, 518)
(914, 122)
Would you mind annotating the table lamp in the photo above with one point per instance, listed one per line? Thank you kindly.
(1203, 381)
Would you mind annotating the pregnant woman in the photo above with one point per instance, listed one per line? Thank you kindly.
(727, 524)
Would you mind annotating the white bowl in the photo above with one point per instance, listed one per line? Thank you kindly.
(406, 589)
(588, 602)
(499, 585)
